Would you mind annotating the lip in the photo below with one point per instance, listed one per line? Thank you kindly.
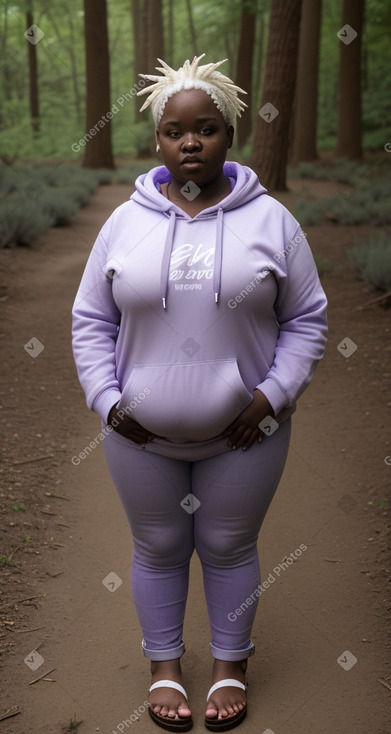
(191, 161)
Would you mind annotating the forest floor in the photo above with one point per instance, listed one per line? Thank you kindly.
(322, 664)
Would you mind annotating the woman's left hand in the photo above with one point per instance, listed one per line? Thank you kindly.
(243, 431)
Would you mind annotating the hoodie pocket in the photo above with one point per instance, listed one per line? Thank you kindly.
(194, 401)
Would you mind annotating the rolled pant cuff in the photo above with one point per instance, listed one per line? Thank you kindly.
(172, 654)
(232, 655)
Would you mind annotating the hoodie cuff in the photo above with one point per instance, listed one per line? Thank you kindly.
(105, 401)
(276, 396)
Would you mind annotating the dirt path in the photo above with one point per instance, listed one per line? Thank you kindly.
(328, 604)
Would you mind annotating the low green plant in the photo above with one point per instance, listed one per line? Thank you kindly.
(372, 261)
(73, 724)
(323, 265)
(21, 221)
(104, 176)
(128, 174)
(310, 212)
(59, 204)
(34, 198)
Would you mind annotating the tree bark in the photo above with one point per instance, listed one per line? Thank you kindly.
(244, 69)
(155, 33)
(306, 101)
(193, 35)
(98, 151)
(33, 78)
(270, 147)
(349, 128)
(148, 41)
(170, 32)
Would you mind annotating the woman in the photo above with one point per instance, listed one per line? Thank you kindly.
(198, 323)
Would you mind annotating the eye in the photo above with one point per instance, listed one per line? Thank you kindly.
(174, 134)
(206, 131)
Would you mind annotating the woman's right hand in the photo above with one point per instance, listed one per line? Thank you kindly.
(127, 427)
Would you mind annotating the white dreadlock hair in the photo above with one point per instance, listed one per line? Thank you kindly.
(192, 76)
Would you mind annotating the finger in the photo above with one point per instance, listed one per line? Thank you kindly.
(246, 436)
(250, 441)
(236, 439)
(230, 429)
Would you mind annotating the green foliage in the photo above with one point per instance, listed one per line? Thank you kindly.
(347, 209)
(372, 261)
(21, 221)
(376, 75)
(104, 176)
(128, 174)
(61, 71)
(33, 198)
(367, 201)
(323, 265)
(309, 213)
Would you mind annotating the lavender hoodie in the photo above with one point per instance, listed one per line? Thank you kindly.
(182, 318)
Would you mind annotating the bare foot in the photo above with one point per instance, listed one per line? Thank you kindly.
(167, 701)
(227, 701)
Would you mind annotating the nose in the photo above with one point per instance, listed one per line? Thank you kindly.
(191, 142)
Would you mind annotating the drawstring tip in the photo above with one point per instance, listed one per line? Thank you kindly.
(216, 297)
(164, 303)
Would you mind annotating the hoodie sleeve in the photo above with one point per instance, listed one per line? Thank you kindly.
(95, 322)
(301, 314)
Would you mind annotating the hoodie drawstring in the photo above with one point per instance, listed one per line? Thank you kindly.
(167, 257)
(165, 272)
(218, 256)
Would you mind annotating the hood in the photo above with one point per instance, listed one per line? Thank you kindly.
(245, 186)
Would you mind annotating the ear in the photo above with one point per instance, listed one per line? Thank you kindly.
(230, 135)
(157, 137)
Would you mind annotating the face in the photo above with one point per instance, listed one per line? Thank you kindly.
(193, 137)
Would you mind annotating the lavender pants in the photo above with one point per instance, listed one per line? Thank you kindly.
(215, 505)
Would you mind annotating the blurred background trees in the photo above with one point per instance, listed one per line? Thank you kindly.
(56, 88)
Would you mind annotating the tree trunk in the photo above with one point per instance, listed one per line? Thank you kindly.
(244, 69)
(270, 147)
(148, 46)
(98, 151)
(70, 47)
(170, 33)
(33, 77)
(155, 33)
(7, 81)
(75, 80)
(306, 101)
(193, 35)
(349, 128)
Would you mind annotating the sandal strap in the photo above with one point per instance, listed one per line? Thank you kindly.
(169, 684)
(225, 683)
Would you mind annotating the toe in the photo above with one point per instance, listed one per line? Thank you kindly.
(183, 710)
(211, 711)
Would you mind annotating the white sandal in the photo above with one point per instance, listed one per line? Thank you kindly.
(181, 724)
(230, 722)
